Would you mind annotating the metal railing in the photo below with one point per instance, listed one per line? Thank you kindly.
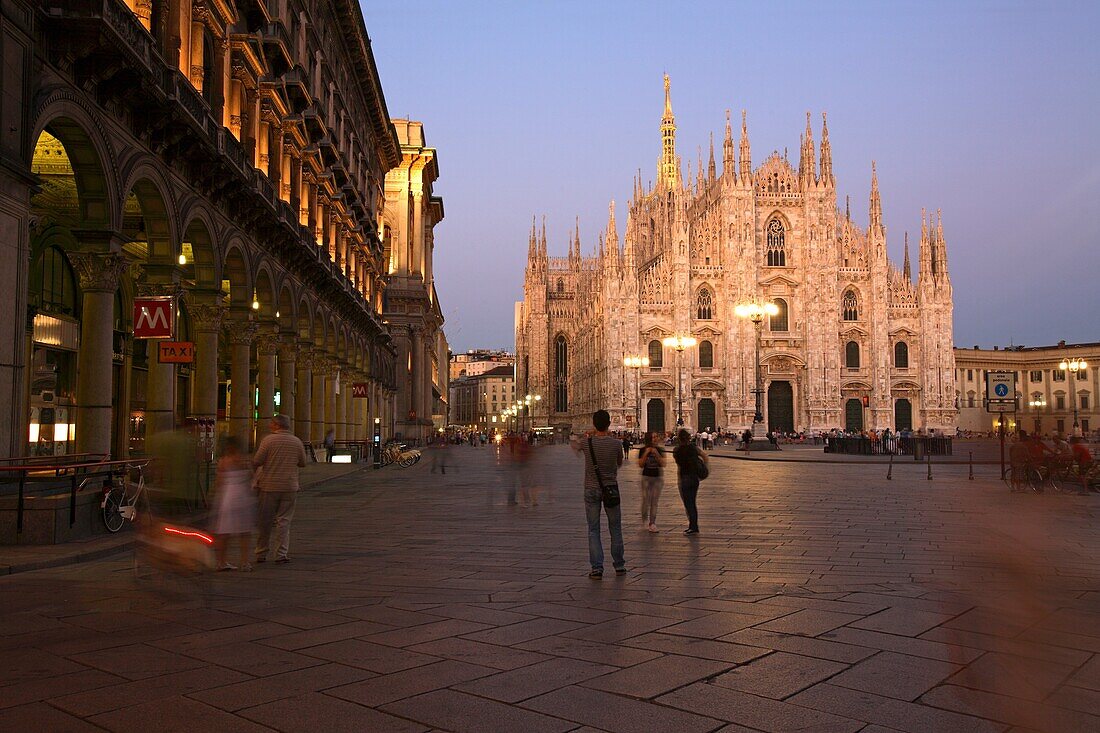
(915, 445)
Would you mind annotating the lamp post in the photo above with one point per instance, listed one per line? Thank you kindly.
(1038, 405)
(527, 402)
(1073, 366)
(679, 343)
(755, 312)
(635, 363)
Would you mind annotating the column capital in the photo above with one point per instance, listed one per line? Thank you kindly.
(241, 333)
(156, 290)
(267, 342)
(206, 317)
(288, 352)
(99, 272)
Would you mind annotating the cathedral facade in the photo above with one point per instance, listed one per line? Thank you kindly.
(854, 343)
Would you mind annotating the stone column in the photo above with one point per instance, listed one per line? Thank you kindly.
(99, 276)
(206, 324)
(331, 400)
(267, 346)
(160, 384)
(340, 408)
(417, 264)
(320, 420)
(240, 400)
(288, 356)
(303, 395)
(417, 391)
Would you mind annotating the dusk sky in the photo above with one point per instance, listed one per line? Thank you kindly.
(987, 110)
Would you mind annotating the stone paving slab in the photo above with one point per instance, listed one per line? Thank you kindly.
(818, 597)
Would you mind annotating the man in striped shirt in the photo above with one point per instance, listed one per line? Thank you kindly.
(608, 453)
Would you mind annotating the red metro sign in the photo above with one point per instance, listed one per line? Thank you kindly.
(154, 318)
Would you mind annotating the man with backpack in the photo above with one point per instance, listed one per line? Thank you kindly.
(692, 467)
(603, 454)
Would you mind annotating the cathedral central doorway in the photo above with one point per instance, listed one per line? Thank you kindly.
(781, 407)
(853, 415)
(903, 414)
(706, 415)
(655, 416)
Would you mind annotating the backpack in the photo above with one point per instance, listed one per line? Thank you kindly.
(652, 466)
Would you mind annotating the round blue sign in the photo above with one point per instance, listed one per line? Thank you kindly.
(1001, 390)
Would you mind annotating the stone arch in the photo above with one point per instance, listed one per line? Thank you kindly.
(304, 318)
(286, 307)
(264, 289)
(199, 246)
(236, 269)
(148, 218)
(65, 117)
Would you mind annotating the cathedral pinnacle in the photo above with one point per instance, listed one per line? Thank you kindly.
(712, 170)
(807, 163)
(743, 153)
(727, 149)
(826, 154)
(906, 269)
(669, 173)
(876, 201)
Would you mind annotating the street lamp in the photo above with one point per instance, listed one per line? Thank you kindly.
(755, 312)
(527, 402)
(1073, 366)
(636, 363)
(679, 343)
(1038, 404)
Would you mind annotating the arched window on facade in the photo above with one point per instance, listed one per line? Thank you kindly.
(561, 374)
(775, 249)
(706, 355)
(656, 354)
(849, 306)
(851, 355)
(56, 284)
(704, 305)
(901, 355)
(780, 321)
(561, 285)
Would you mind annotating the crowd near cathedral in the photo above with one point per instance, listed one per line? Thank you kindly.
(852, 342)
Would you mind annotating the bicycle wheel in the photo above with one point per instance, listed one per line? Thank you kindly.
(407, 461)
(112, 510)
(1035, 480)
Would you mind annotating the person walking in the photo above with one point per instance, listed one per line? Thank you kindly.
(329, 444)
(652, 461)
(688, 457)
(277, 461)
(234, 505)
(603, 454)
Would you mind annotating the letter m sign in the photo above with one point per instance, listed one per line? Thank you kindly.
(154, 318)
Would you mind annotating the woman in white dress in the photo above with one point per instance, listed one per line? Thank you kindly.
(234, 505)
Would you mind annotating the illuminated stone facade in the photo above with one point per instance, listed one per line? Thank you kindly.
(856, 344)
(232, 155)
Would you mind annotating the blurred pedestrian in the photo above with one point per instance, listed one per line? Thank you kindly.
(688, 457)
(277, 460)
(234, 504)
(603, 454)
(330, 445)
(652, 461)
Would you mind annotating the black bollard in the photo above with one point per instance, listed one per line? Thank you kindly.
(929, 466)
(971, 465)
(890, 470)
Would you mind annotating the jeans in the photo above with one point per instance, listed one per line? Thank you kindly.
(689, 487)
(651, 492)
(592, 506)
(276, 509)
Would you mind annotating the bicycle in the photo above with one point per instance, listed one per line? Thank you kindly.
(118, 506)
(1024, 476)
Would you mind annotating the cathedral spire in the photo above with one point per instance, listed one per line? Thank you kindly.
(542, 240)
(826, 155)
(876, 202)
(743, 153)
(712, 170)
(848, 208)
(699, 175)
(939, 248)
(807, 163)
(669, 173)
(727, 150)
(927, 269)
(612, 230)
(532, 245)
(906, 269)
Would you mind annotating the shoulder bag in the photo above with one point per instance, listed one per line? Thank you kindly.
(608, 492)
(702, 470)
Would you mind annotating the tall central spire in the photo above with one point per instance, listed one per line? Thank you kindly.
(670, 167)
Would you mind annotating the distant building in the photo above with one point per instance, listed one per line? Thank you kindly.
(857, 342)
(479, 361)
(1045, 394)
(478, 401)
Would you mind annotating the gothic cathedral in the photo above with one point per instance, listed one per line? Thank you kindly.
(852, 342)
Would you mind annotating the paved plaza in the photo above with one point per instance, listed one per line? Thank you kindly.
(818, 597)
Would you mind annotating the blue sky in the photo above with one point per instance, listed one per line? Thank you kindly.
(988, 110)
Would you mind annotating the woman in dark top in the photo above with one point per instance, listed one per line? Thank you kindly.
(686, 456)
